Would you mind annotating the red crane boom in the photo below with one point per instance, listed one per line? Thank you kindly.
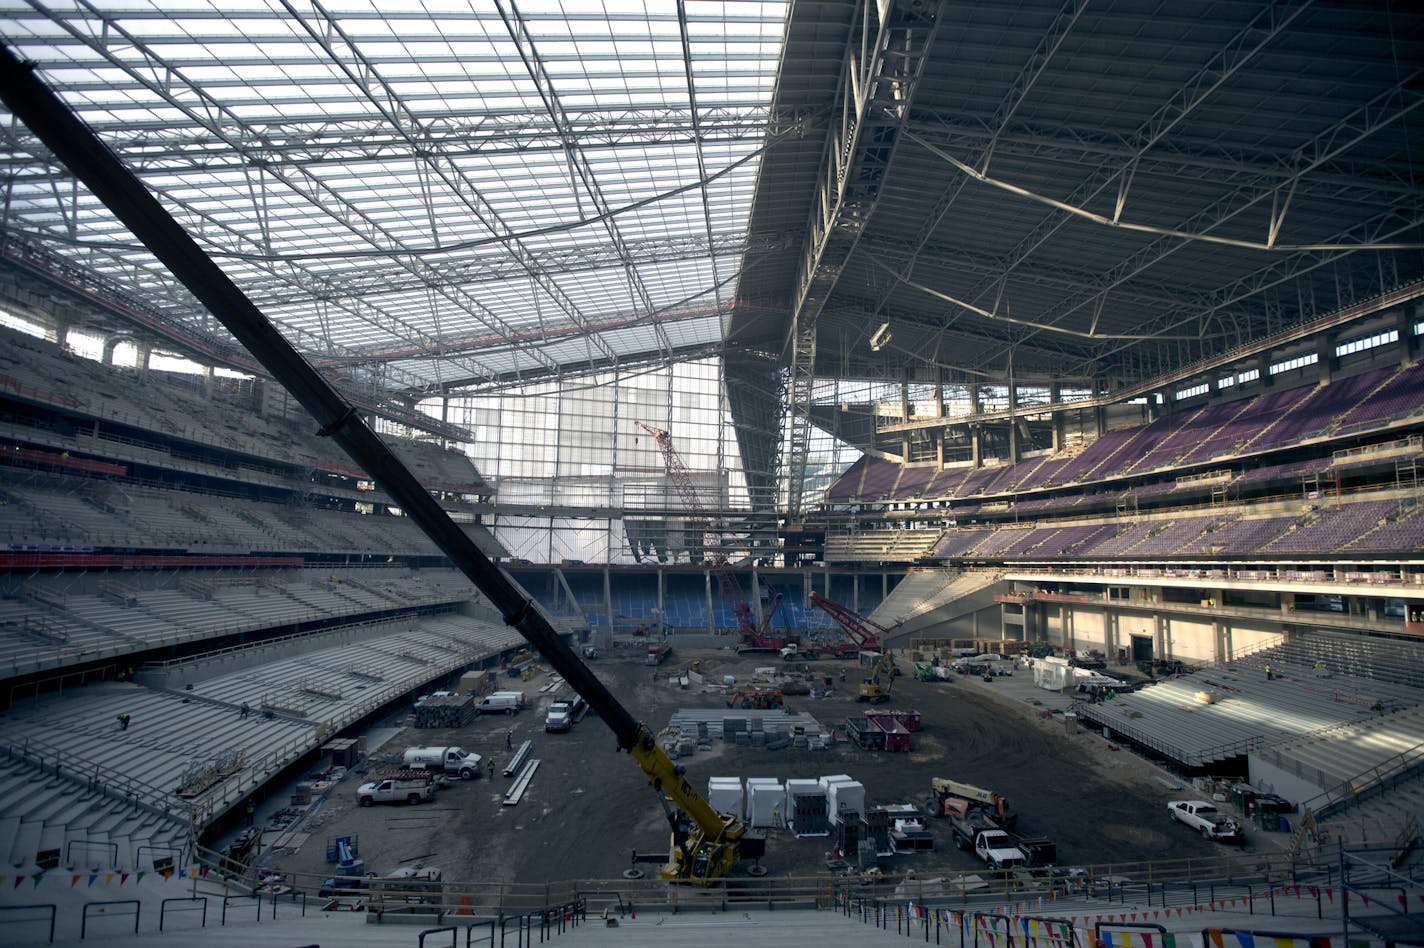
(865, 634)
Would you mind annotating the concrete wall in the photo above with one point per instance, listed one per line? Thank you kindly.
(1294, 787)
(1190, 640)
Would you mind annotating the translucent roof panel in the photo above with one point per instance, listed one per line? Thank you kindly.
(440, 193)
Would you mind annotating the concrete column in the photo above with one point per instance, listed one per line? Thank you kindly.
(1055, 394)
(1263, 366)
(1408, 342)
(1013, 424)
(1325, 357)
(110, 344)
(975, 445)
(707, 597)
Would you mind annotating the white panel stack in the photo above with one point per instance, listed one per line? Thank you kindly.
(725, 794)
(843, 795)
(766, 802)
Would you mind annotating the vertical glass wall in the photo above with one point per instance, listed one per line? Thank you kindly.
(577, 442)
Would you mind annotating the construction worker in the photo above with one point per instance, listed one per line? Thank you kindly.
(124, 721)
(491, 768)
(509, 740)
(842, 676)
(251, 812)
(244, 710)
(1269, 676)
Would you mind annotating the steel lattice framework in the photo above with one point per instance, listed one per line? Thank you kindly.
(473, 196)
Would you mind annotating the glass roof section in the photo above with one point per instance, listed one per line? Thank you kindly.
(443, 193)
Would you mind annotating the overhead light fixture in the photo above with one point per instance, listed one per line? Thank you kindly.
(882, 338)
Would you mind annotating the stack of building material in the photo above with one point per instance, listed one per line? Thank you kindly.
(447, 711)
(910, 719)
(845, 798)
(906, 828)
(724, 794)
(848, 835)
(772, 728)
(806, 808)
(878, 826)
(766, 802)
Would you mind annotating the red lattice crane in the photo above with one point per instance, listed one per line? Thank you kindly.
(863, 634)
(696, 514)
(755, 637)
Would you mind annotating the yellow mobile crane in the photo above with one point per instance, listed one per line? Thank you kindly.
(706, 844)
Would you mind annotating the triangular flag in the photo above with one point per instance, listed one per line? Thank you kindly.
(123, 877)
(18, 880)
(108, 878)
(92, 877)
(73, 881)
(139, 878)
(36, 879)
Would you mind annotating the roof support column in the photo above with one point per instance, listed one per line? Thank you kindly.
(1405, 319)
(880, 72)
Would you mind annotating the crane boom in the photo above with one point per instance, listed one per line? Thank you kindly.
(718, 841)
(867, 634)
(697, 514)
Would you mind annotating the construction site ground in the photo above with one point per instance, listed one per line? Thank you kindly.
(589, 807)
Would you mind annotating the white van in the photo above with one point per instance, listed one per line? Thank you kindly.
(501, 702)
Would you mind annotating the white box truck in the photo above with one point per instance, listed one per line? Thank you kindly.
(449, 760)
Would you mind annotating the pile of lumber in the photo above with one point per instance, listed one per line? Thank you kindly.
(445, 711)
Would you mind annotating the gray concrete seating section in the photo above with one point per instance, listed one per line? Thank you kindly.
(183, 410)
(1249, 712)
(1385, 661)
(37, 634)
(313, 694)
(923, 591)
(91, 827)
(873, 546)
(1376, 819)
(1343, 753)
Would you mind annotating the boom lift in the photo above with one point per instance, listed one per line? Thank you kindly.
(706, 845)
(862, 634)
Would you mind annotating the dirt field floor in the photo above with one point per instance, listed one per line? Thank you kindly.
(589, 806)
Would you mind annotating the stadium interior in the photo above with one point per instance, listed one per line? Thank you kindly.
(1086, 331)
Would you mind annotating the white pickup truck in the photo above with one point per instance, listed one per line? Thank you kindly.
(997, 849)
(401, 787)
(1207, 819)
